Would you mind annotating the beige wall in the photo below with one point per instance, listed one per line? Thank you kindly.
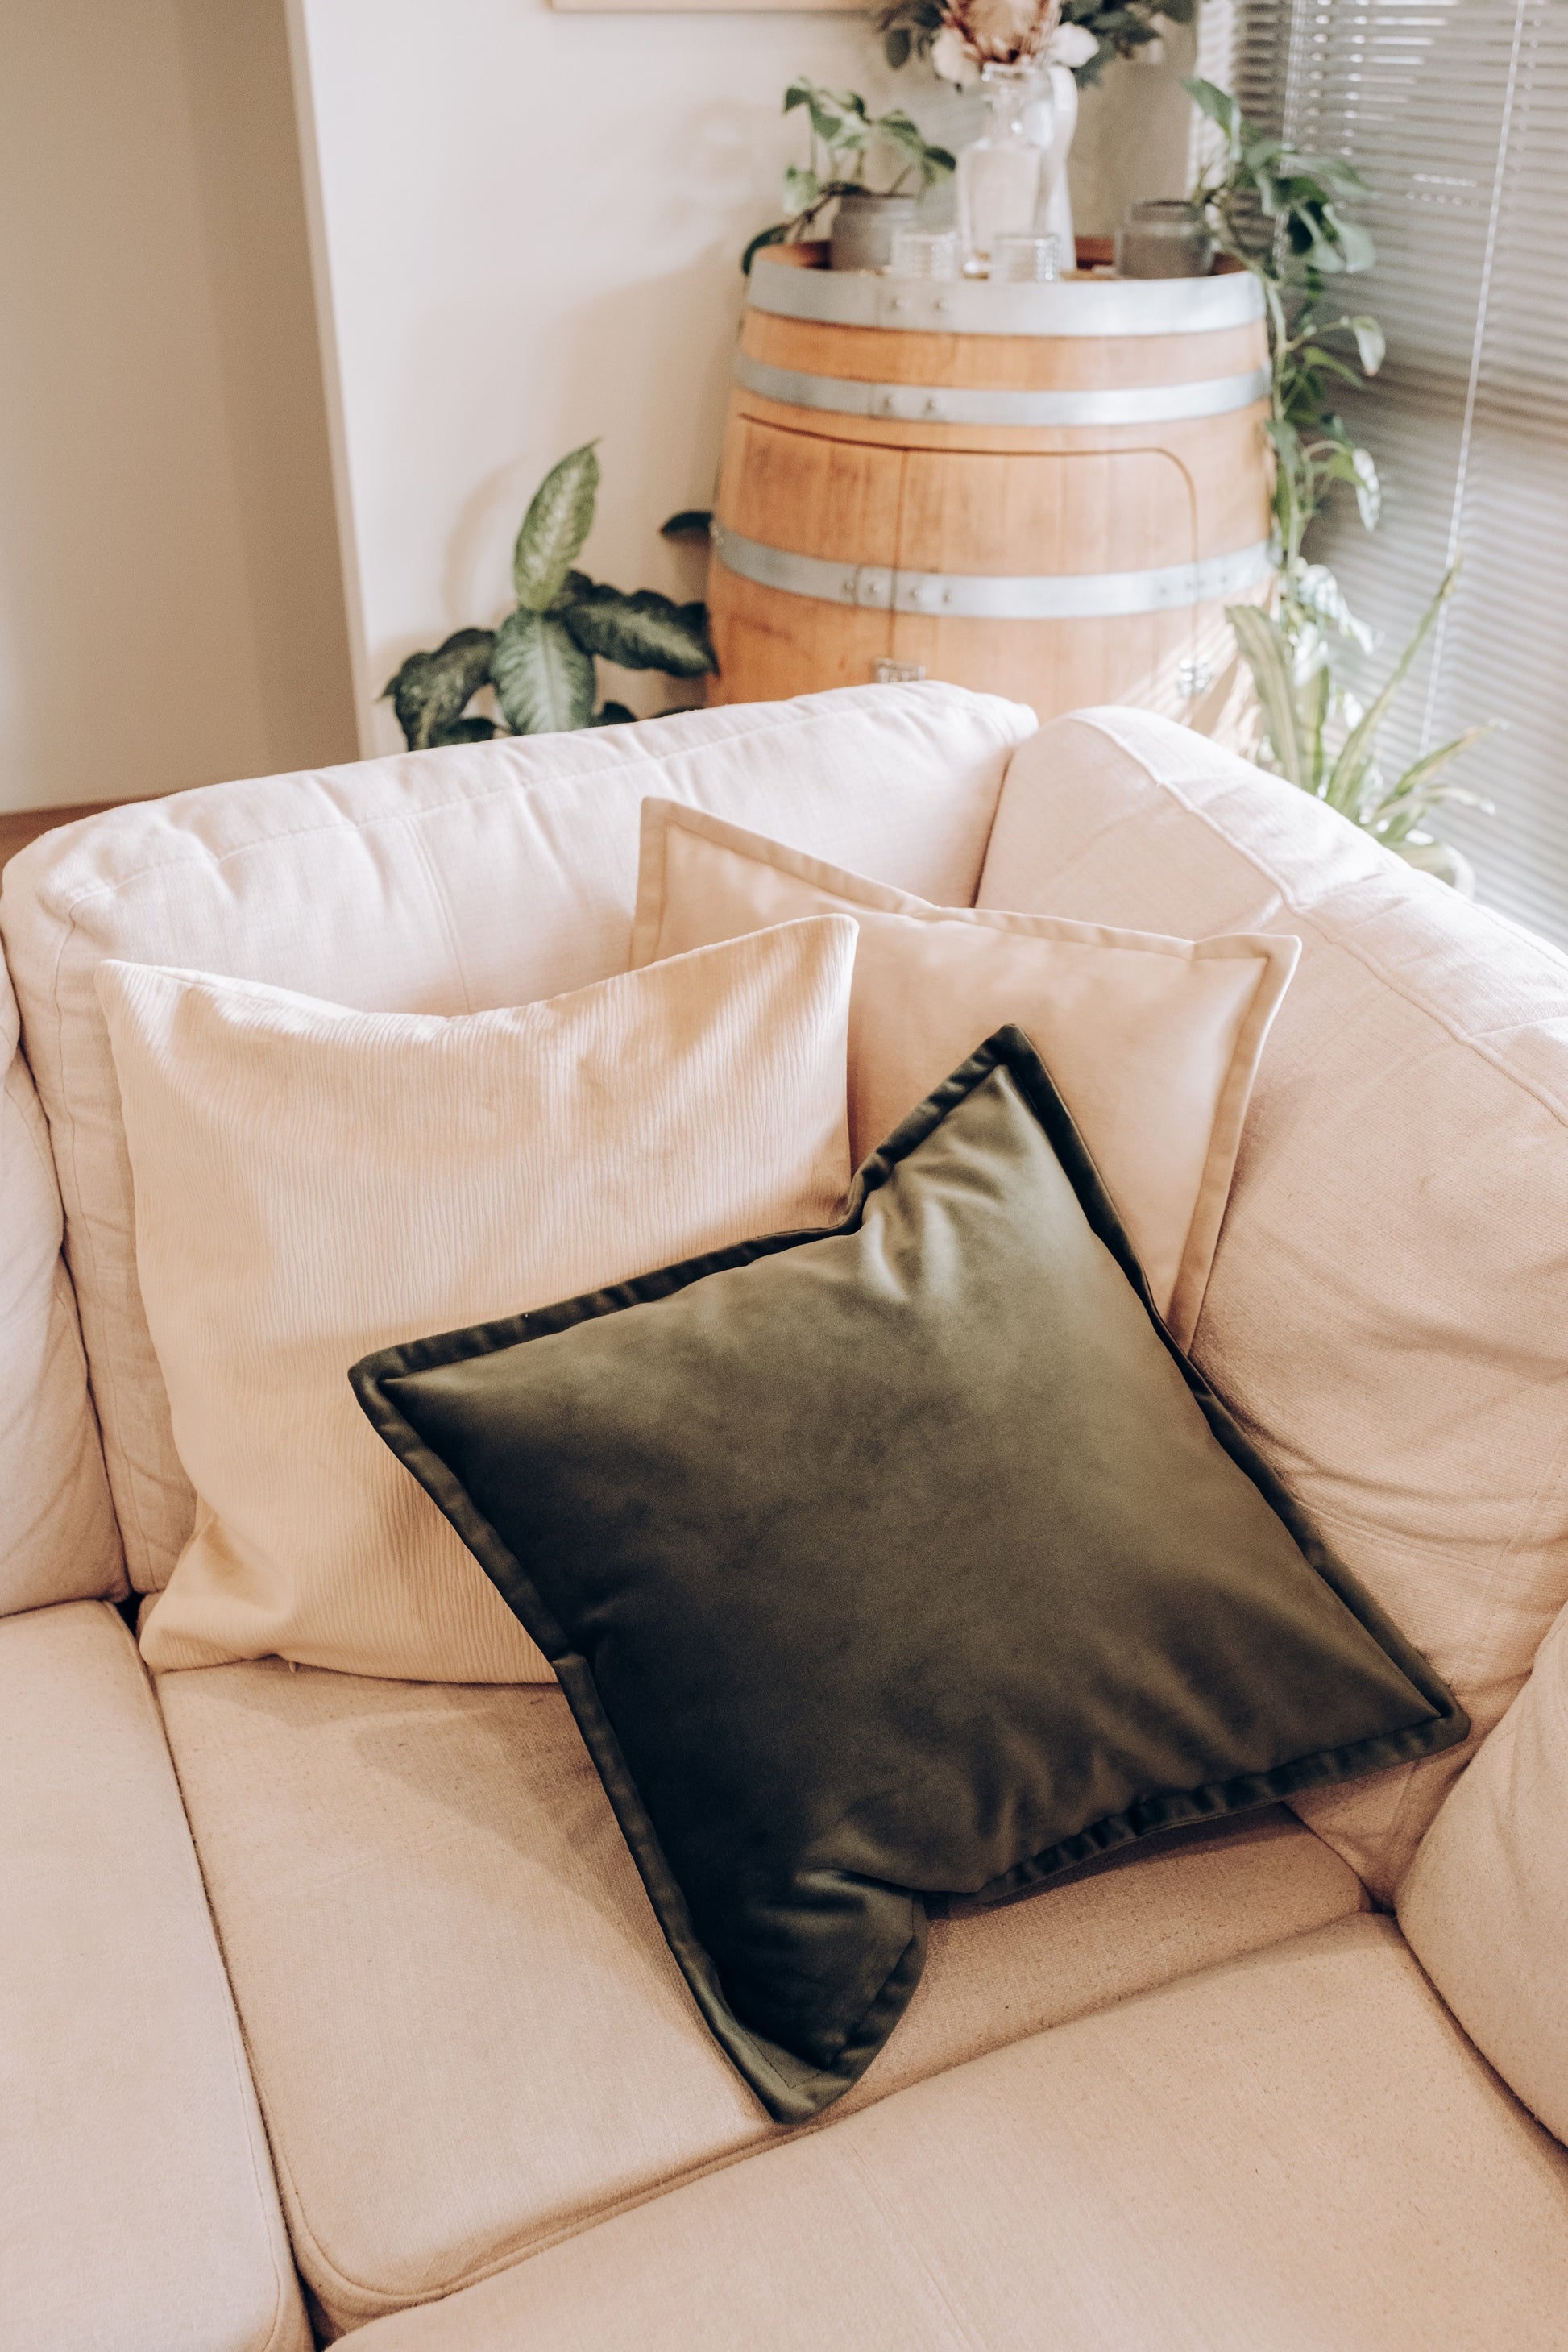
(530, 221)
(171, 607)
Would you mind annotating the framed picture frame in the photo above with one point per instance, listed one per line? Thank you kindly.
(714, 7)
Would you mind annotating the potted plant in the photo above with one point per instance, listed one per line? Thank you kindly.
(850, 147)
(540, 661)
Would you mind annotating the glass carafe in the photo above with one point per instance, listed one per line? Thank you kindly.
(999, 174)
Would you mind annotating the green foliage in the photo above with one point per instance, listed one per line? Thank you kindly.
(642, 630)
(430, 690)
(910, 27)
(1320, 738)
(1283, 216)
(845, 141)
(559, 518)
(540, 662)
(543, 680)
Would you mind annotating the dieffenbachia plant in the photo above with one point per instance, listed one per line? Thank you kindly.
(541, 660)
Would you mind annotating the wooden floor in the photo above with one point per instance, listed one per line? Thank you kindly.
(19, 827)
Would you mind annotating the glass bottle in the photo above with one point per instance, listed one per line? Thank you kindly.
(999, 174)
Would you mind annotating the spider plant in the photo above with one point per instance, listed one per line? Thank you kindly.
(1319, 736)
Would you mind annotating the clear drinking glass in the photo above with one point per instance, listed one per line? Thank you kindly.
(1026, 260)
(999, 174)
(925, 253)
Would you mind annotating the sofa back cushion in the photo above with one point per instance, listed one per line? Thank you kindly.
(58, 1536)
(1388, 1310)
(443, 882)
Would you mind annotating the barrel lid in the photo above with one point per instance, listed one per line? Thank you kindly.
(973, 305)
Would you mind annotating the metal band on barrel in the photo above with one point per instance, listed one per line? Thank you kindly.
(930, 404)
(1079, 306)
(975, 596)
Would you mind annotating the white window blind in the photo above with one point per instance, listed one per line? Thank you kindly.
(1456, 113)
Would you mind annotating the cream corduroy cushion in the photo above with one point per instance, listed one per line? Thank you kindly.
(453, 881)
(312, 1183)
(1153, 1040)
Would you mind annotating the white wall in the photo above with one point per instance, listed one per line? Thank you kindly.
(529, 227)
(171, 610)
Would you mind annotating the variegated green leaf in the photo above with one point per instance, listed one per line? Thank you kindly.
(558, 521)
(642, 630)
(543, 680)
(431, 689)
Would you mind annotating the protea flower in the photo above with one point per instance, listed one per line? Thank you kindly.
(978, 33)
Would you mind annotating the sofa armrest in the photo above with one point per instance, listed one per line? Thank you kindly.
(141, 2209)
(1484, 1905)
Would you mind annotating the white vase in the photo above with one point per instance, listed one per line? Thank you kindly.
(1049, 123)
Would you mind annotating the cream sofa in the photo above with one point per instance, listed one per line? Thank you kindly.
(337, 2004)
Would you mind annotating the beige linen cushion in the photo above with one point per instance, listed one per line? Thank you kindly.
(1388, 1310)
(58, 1536)
(1485, 1904)
(313, 1184)
(1295, 2152)
(444, 882)
(1154, 1042)
(140, 2209)
(468, 2032)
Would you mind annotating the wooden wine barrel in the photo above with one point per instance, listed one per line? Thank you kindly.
(1049, 492)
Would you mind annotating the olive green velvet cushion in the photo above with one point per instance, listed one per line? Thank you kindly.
(902, 1561)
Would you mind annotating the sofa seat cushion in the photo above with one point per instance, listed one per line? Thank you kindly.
(1298, 2150)
(140, 2208)
(468, 2035)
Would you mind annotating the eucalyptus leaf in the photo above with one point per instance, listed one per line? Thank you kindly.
(559, 518)
(543, 680)
(642, 630)
(430, 690)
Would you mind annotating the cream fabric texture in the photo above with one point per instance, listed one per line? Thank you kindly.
(1485, 1906)
(58, 1540)
(1295, 2152)
(1154, 1042)
(1390, 1294)
(450, 882)
(468, 2032)
(140, 2208)
(313, 1184)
